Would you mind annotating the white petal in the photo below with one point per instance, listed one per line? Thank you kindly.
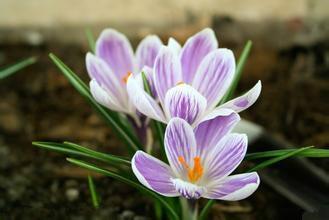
(245, 101)
(143, 101)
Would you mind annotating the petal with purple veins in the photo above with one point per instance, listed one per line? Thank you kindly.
(167, 71)
(214, 75)
(147, 51)
(114, 48)
(153, 173)
(245, 101)
(233, 188)
(185, 102)
(100, 71)
(194, 50)
(180, 145)
(213, 128)
(225, 156)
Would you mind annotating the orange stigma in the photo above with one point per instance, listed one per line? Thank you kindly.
(125, 78)
(193, 174)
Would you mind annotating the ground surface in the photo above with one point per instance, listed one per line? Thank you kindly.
(39, 104)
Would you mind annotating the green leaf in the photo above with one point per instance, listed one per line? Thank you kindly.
(110, 117)
(96, 154)
(242, 61)
(262, 165)
(277, 159)
(91, 40)
(76, 150)
(92, 189)
(7, 71)
(127, 181)
(312, 152)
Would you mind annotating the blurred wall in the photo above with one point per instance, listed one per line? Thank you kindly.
(152, 12)
(143, 16)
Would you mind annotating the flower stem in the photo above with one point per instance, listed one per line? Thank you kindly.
(189, 209)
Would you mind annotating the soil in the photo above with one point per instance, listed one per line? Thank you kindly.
(39, 104)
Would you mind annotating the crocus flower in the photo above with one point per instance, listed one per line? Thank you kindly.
(190, 81)
(201, 161)
(113, 62)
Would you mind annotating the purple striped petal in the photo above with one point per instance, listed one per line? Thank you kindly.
(114, 48)
(103, 97)
(143, 101)
(245, 101)
(213, 128)
(194, 50)
(99, 70)
(167, 71)
(185, 102)
(153, 173)
(214, 75)
(225, 157)
(179, 142)
(147, 51)
(174, 45)
(233, 188)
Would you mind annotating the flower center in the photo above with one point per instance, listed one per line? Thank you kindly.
(125, 77)
(180, 83)
(196, 172)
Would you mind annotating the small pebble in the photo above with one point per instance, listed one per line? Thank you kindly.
(72, 194)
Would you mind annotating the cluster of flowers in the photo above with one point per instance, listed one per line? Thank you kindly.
(187, 83)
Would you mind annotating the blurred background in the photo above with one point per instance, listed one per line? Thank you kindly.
(290, 55)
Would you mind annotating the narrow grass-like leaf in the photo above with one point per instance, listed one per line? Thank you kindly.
(7, 71)
(72, 149)
(311, 152)
(92, 189)
(127, 181)
(108, 157)
(206, 209)
(242, 61)
(110, 117)
(91, 40)
(269, 162)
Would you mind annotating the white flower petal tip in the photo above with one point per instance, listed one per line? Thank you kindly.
(235, 187)
(246, 100)
(174, 45)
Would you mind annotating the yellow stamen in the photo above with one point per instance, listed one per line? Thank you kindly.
(193, 174)
(125, 78)
(180, 83)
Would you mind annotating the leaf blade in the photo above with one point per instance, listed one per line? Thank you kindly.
(125, 180)
(8, 71)
(92, 189)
